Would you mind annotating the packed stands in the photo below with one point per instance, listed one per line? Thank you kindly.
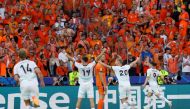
(155, 30)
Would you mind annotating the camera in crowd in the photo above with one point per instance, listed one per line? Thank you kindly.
(60, 81)
(172, 80)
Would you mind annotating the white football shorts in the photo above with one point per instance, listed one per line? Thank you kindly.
(29, 89)
(86, 88)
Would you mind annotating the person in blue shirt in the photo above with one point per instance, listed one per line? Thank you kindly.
(146, 53)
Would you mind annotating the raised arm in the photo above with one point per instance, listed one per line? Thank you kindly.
(134, 62)
(108, 66)
(101, 54)
(70, 57)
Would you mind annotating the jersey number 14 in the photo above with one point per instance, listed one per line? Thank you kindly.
(28, 69)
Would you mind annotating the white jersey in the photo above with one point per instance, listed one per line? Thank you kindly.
(153, 75)
(85, 72)
(25, 70)
(122, 74)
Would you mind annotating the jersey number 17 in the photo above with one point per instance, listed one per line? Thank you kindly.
(86, 72)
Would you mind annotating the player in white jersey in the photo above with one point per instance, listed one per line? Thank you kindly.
(121, 72)
(25, 74)
(86, 79)
(152, 75)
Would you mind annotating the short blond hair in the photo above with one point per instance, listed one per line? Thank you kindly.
(22, 53)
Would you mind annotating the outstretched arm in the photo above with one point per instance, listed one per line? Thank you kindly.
(134, 62)
(108, 66)
(70, 57)
(101, 54)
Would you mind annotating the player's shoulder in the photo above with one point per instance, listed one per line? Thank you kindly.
(92, 63)
(116, 67)
(126, 66)
(30, 62)
(149, 70)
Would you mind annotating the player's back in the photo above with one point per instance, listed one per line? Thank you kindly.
(122, 74)
(100, 68)
(85, 72)
(25, 70)
(153, 75)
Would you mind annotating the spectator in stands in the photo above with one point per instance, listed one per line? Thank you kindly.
(83, 27)
(186, 63)
(183, 23)
(163, 73)
(146, 53)
(73, 77)
(167, 55)
(112, 81)
(43, 65)
(2, 67)
(63, 57)
(2, 11)
(145, 65)
(62, 69)
(173, 67)
(53, 63)
(56, 81)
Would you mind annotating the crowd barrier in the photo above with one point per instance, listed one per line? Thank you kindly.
(133, 80)
(64, 97)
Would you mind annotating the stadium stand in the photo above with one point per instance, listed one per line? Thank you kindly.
(156, 30)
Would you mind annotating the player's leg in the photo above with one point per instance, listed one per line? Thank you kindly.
(157, 93)
(35, 95)
(101, 97)
(25, 94)
(78, 103)
(27, 104)
(123, 96)
(128, 98)
(90, 95)
(164, 99)
(81, 95)
(149, 95)
(92, 103)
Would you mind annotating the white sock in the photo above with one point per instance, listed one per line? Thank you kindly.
(125, 106)
(164, 99)
(28, 107)
(77, 108)
(92, 108)
(149, 102)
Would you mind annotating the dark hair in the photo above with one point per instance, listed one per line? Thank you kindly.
(153, 64)
(80, 46)
(124, 62)
(15, 39)
(85, 59)
(20, 30)
(36, 28)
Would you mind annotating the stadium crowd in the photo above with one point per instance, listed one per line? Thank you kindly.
(156, 30)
